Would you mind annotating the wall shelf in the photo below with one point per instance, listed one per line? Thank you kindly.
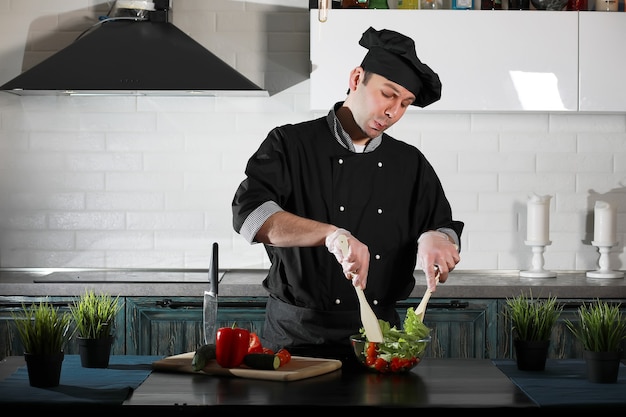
(495, 61)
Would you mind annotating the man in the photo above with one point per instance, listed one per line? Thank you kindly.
(311, 182)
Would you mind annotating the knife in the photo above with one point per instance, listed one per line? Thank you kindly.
(209, 317)
(368, 317)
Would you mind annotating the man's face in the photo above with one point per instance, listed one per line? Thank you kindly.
(376, 103)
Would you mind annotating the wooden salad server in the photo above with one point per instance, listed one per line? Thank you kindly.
(421, 308)
(368, 317)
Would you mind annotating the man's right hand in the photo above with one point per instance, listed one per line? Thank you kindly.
(356, 264)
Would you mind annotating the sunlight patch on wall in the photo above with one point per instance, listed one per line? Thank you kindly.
(537, 90)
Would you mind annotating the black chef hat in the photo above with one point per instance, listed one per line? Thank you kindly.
(392, 55)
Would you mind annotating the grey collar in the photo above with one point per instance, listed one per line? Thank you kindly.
(343, 138)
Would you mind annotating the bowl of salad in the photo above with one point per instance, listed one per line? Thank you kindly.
(401, 349)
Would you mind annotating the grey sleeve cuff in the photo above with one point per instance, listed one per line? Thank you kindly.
(255, 220)
(452, 234)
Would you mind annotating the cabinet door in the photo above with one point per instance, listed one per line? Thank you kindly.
(563, 345)
(602, 61)
(460, 328)
(12, 345)
(487, 61)
(169, 326)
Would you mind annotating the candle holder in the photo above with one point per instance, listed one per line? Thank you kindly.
(604, 271)
(537, 270)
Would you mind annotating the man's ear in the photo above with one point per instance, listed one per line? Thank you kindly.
(356, 76)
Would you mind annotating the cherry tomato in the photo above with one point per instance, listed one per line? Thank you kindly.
(372, 349)
(255, 344)
(267, 350)
(380, 365)
(284, 356)
(396, 364)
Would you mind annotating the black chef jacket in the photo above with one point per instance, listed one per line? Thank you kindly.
(386, 198)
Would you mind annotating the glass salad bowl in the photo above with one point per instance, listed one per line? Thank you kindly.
(388, 357)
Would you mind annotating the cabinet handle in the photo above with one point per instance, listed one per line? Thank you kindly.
(12, 304)
(574, 305)
(169, 303)
(452, 305)
(322, 13)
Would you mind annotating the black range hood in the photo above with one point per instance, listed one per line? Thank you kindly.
(134, 57)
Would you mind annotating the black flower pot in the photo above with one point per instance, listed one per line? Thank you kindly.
(531, 355)
(95, 353)
(44, 370)
(602, 367)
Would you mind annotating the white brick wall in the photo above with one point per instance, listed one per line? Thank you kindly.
(147, 182)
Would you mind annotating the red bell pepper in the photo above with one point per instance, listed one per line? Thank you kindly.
(231, 345)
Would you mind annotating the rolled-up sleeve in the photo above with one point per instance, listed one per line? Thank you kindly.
(255, 220)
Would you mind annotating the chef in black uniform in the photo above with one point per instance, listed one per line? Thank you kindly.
(341, 174)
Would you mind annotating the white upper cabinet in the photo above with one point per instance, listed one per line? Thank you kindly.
(487, 60)
(603, 61)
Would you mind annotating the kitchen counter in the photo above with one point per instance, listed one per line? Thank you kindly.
(489, 385)
(435, 383)
(432, 384)
(247, 283)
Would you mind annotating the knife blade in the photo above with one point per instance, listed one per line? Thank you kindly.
(210, 303)
(368, 317)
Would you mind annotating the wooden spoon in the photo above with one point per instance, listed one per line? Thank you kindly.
(421, 308)
(368, 317)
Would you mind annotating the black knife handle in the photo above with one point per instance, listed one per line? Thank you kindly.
(214, 268)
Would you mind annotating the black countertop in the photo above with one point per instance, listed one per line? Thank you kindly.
(247, 282)
(435, 383)
(465, 383)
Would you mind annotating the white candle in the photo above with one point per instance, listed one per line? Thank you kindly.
(538, 219)
(605, 220)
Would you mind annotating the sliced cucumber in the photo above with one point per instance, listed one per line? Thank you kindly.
(203, 355)
(264, 361)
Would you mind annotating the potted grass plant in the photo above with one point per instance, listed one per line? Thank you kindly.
(532, 321)
(600, 328)
(94, 319)
(44, 332)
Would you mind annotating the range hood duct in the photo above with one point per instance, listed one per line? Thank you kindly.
(126, 56)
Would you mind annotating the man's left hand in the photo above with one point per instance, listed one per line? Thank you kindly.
(436, 250)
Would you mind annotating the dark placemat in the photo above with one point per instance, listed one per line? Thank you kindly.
(564, 383)
(110, 385)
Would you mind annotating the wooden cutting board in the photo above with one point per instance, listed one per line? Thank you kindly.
(299, 367)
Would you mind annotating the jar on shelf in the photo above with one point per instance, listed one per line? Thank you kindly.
(431, 4)
(524, 4)
(408, 4)
(378, 4)
(607, 5)
(491, 5)
(462, 4)
(354, 4)
(577, 5)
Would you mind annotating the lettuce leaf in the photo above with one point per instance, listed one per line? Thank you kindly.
(409, 342)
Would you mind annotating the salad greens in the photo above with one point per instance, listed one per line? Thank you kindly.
(407, 343)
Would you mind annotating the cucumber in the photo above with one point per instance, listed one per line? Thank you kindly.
(264, 361)
(203, 355)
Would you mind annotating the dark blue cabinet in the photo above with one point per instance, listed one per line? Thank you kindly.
(10, 341)
(169, 326)
(466, 328)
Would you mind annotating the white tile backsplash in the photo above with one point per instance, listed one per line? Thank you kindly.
(147, 182)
